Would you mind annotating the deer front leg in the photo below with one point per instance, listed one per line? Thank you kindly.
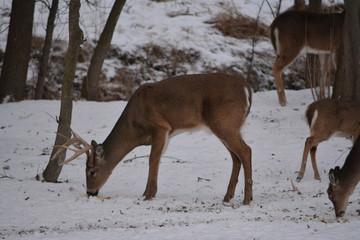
(157, 147)
(234, 177)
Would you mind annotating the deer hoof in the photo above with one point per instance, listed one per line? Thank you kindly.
(227, 198)
(318, 178)
(299, 177)
(148, 198)
(247, 201)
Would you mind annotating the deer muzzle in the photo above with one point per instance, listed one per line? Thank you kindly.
(92, 193)
(339, 214)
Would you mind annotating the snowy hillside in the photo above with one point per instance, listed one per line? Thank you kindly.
(193, 177)
(155, 40)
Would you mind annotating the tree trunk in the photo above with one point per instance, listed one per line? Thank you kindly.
(347, 82)
(53, 169)
(44, 60)
(299, 5)
(315, 5)
(17, 53)
(91, 82)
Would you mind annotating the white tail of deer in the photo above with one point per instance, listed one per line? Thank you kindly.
(343, 181)
(293, 31)
(327, 118)
(220, 102)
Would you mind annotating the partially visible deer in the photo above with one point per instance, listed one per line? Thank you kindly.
(327, 118)
(293, 31)
(343, 181)
(157, 111)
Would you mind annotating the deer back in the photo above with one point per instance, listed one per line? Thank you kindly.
(190, 101)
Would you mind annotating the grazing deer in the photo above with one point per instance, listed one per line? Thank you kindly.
(292, 31)
(157, 111)
(343, 181)
(327, 118)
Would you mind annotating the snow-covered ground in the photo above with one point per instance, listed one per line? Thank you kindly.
(193, 177)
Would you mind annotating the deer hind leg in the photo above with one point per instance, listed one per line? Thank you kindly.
(313, 162)
(310, 146)
(279, 82)
(158, 144)
(234, 177)
(280, 64)
(242, 151)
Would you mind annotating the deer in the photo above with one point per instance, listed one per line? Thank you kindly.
(327, 118)
(294, 31)
(343, 181)
(157, 111)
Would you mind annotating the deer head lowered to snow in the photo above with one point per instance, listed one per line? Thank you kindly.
(156, 111)
(343, 181)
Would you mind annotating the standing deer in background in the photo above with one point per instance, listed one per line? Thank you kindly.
(157, 111)
(343, 181)
(292, 31)
(327, 118)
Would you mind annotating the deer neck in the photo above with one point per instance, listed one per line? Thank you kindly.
(121, 140)
(350, 172)
(349, 177)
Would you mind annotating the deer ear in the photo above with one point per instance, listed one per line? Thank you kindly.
(99, 153)
(333, 176)
(99, 149)
(94, 144)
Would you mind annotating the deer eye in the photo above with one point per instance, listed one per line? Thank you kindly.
(92, 173)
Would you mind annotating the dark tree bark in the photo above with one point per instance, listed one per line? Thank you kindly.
(347, 82)
(299, 4)
(17, 52)
(44, 60)
(91, 83)
(53, 169)
(315, 5)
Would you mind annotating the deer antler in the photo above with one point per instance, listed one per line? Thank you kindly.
(76, 141)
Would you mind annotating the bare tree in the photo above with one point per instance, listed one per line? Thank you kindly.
(44, 60)
(347, 82)
(53, 168)
(17, 52)
(299, 4)
(315, 5)
(91, 83)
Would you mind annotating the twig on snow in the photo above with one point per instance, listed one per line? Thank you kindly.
(147, 156)
(294, 188)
